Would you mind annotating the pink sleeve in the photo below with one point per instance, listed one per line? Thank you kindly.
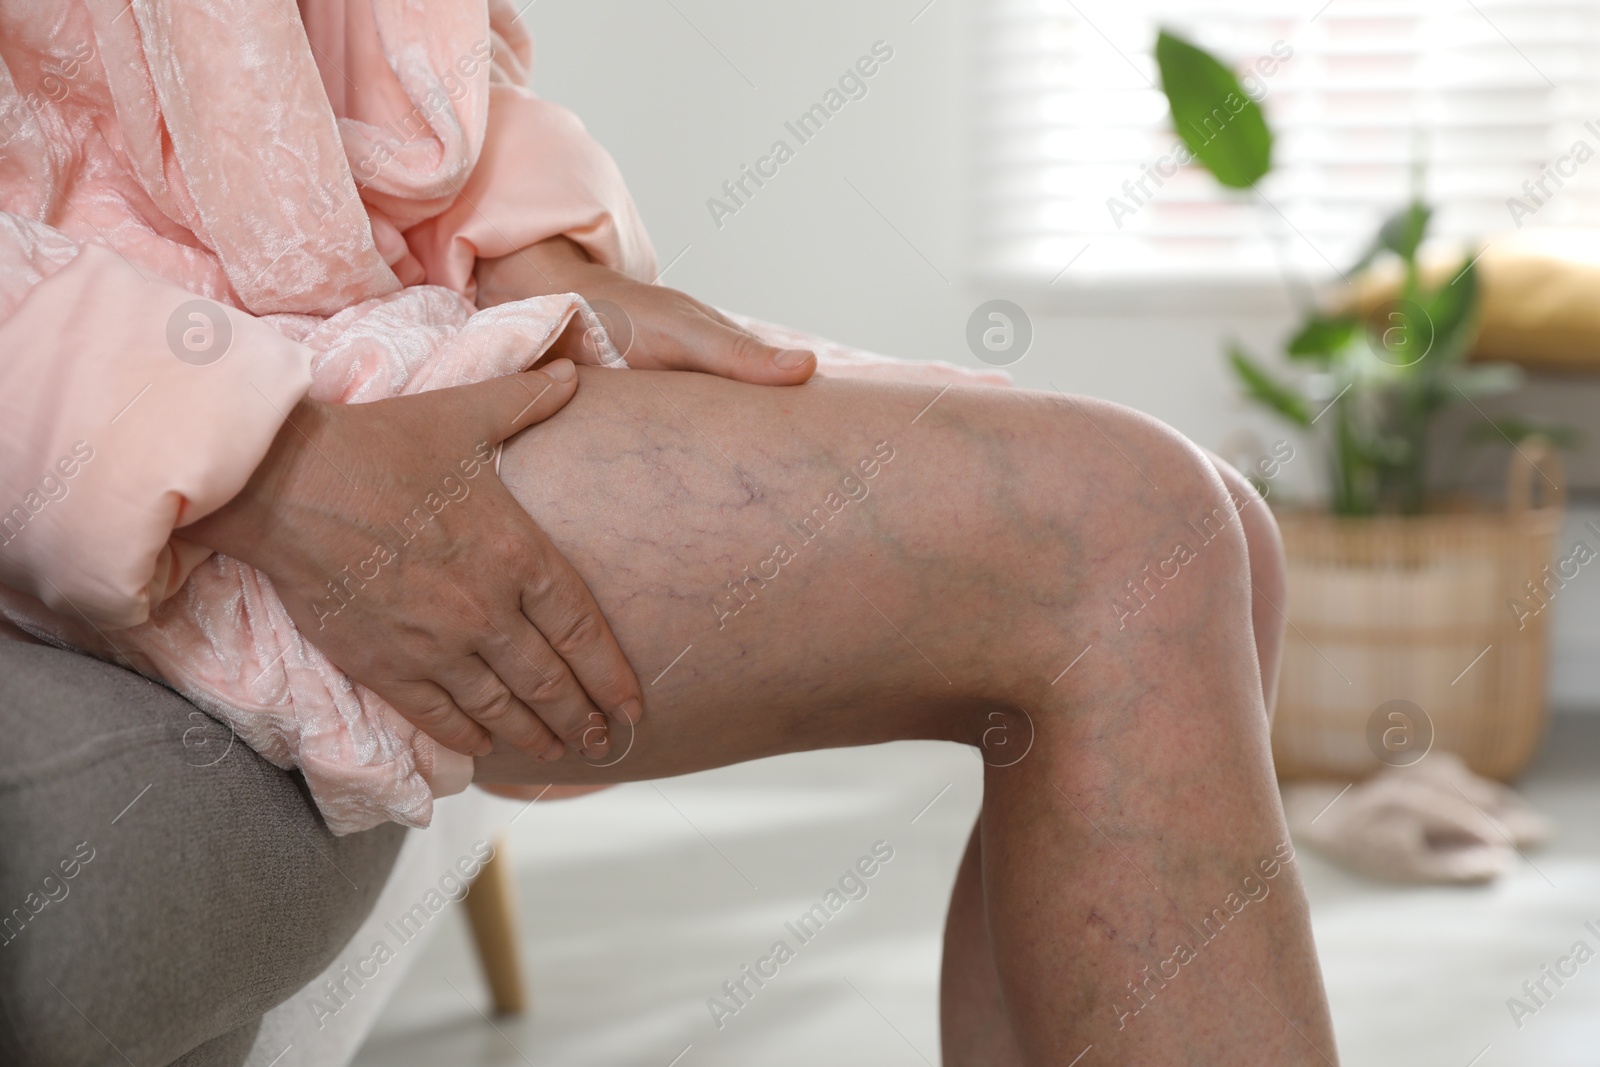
(124, 413)
(540, 175)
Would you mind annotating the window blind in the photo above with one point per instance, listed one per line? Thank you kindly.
(1074, 145)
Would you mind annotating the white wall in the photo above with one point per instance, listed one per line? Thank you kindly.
(807, 250)
(683, 92)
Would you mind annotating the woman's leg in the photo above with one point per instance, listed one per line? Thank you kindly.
(849, 563)
(975, 1031)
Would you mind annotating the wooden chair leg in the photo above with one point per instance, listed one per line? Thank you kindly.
(492, 912)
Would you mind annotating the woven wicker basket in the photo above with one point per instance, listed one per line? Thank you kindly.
(1420, 609)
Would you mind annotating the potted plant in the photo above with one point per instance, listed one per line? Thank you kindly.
(1404, 622)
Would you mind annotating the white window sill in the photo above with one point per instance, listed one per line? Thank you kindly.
(1185, 293)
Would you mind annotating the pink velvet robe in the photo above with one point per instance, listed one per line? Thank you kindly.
(327, 178)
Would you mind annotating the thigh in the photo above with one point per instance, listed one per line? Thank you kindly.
(840, 563)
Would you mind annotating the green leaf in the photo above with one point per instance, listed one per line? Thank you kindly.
(1402, 232)
(1402, 337)
(1425, 332)
(1218, 122)
(1263, 388)
(1453, 307)
(1323, 336)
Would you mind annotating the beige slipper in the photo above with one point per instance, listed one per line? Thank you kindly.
(1399, 829)
(1507, 812)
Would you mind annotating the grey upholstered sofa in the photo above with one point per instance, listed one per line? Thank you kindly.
(167, 896)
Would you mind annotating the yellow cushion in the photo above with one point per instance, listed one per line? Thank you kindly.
(1540, 293)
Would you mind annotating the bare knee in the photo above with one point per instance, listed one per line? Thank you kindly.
(1152, 546)
(1161, 507)
(1268, 575)
(1261, 533)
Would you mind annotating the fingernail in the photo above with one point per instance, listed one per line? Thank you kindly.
(561, 370)
(790, 358)
(554, 752)
(631, 710)
(484, 747)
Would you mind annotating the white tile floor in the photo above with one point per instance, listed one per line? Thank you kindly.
(640, 902)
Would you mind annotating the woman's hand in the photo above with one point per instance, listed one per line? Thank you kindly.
(398, 552)
(667, 330)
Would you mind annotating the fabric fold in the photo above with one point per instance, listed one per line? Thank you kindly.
(540, 175)
(105, 454)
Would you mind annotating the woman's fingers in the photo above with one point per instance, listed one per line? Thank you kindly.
(541, 670)
(494, 410)
(551, 659)
(433, 712)
(525, 662)
(479, 689)
(670, 330)
(557, 602)
(695, 340)
(730, 352)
